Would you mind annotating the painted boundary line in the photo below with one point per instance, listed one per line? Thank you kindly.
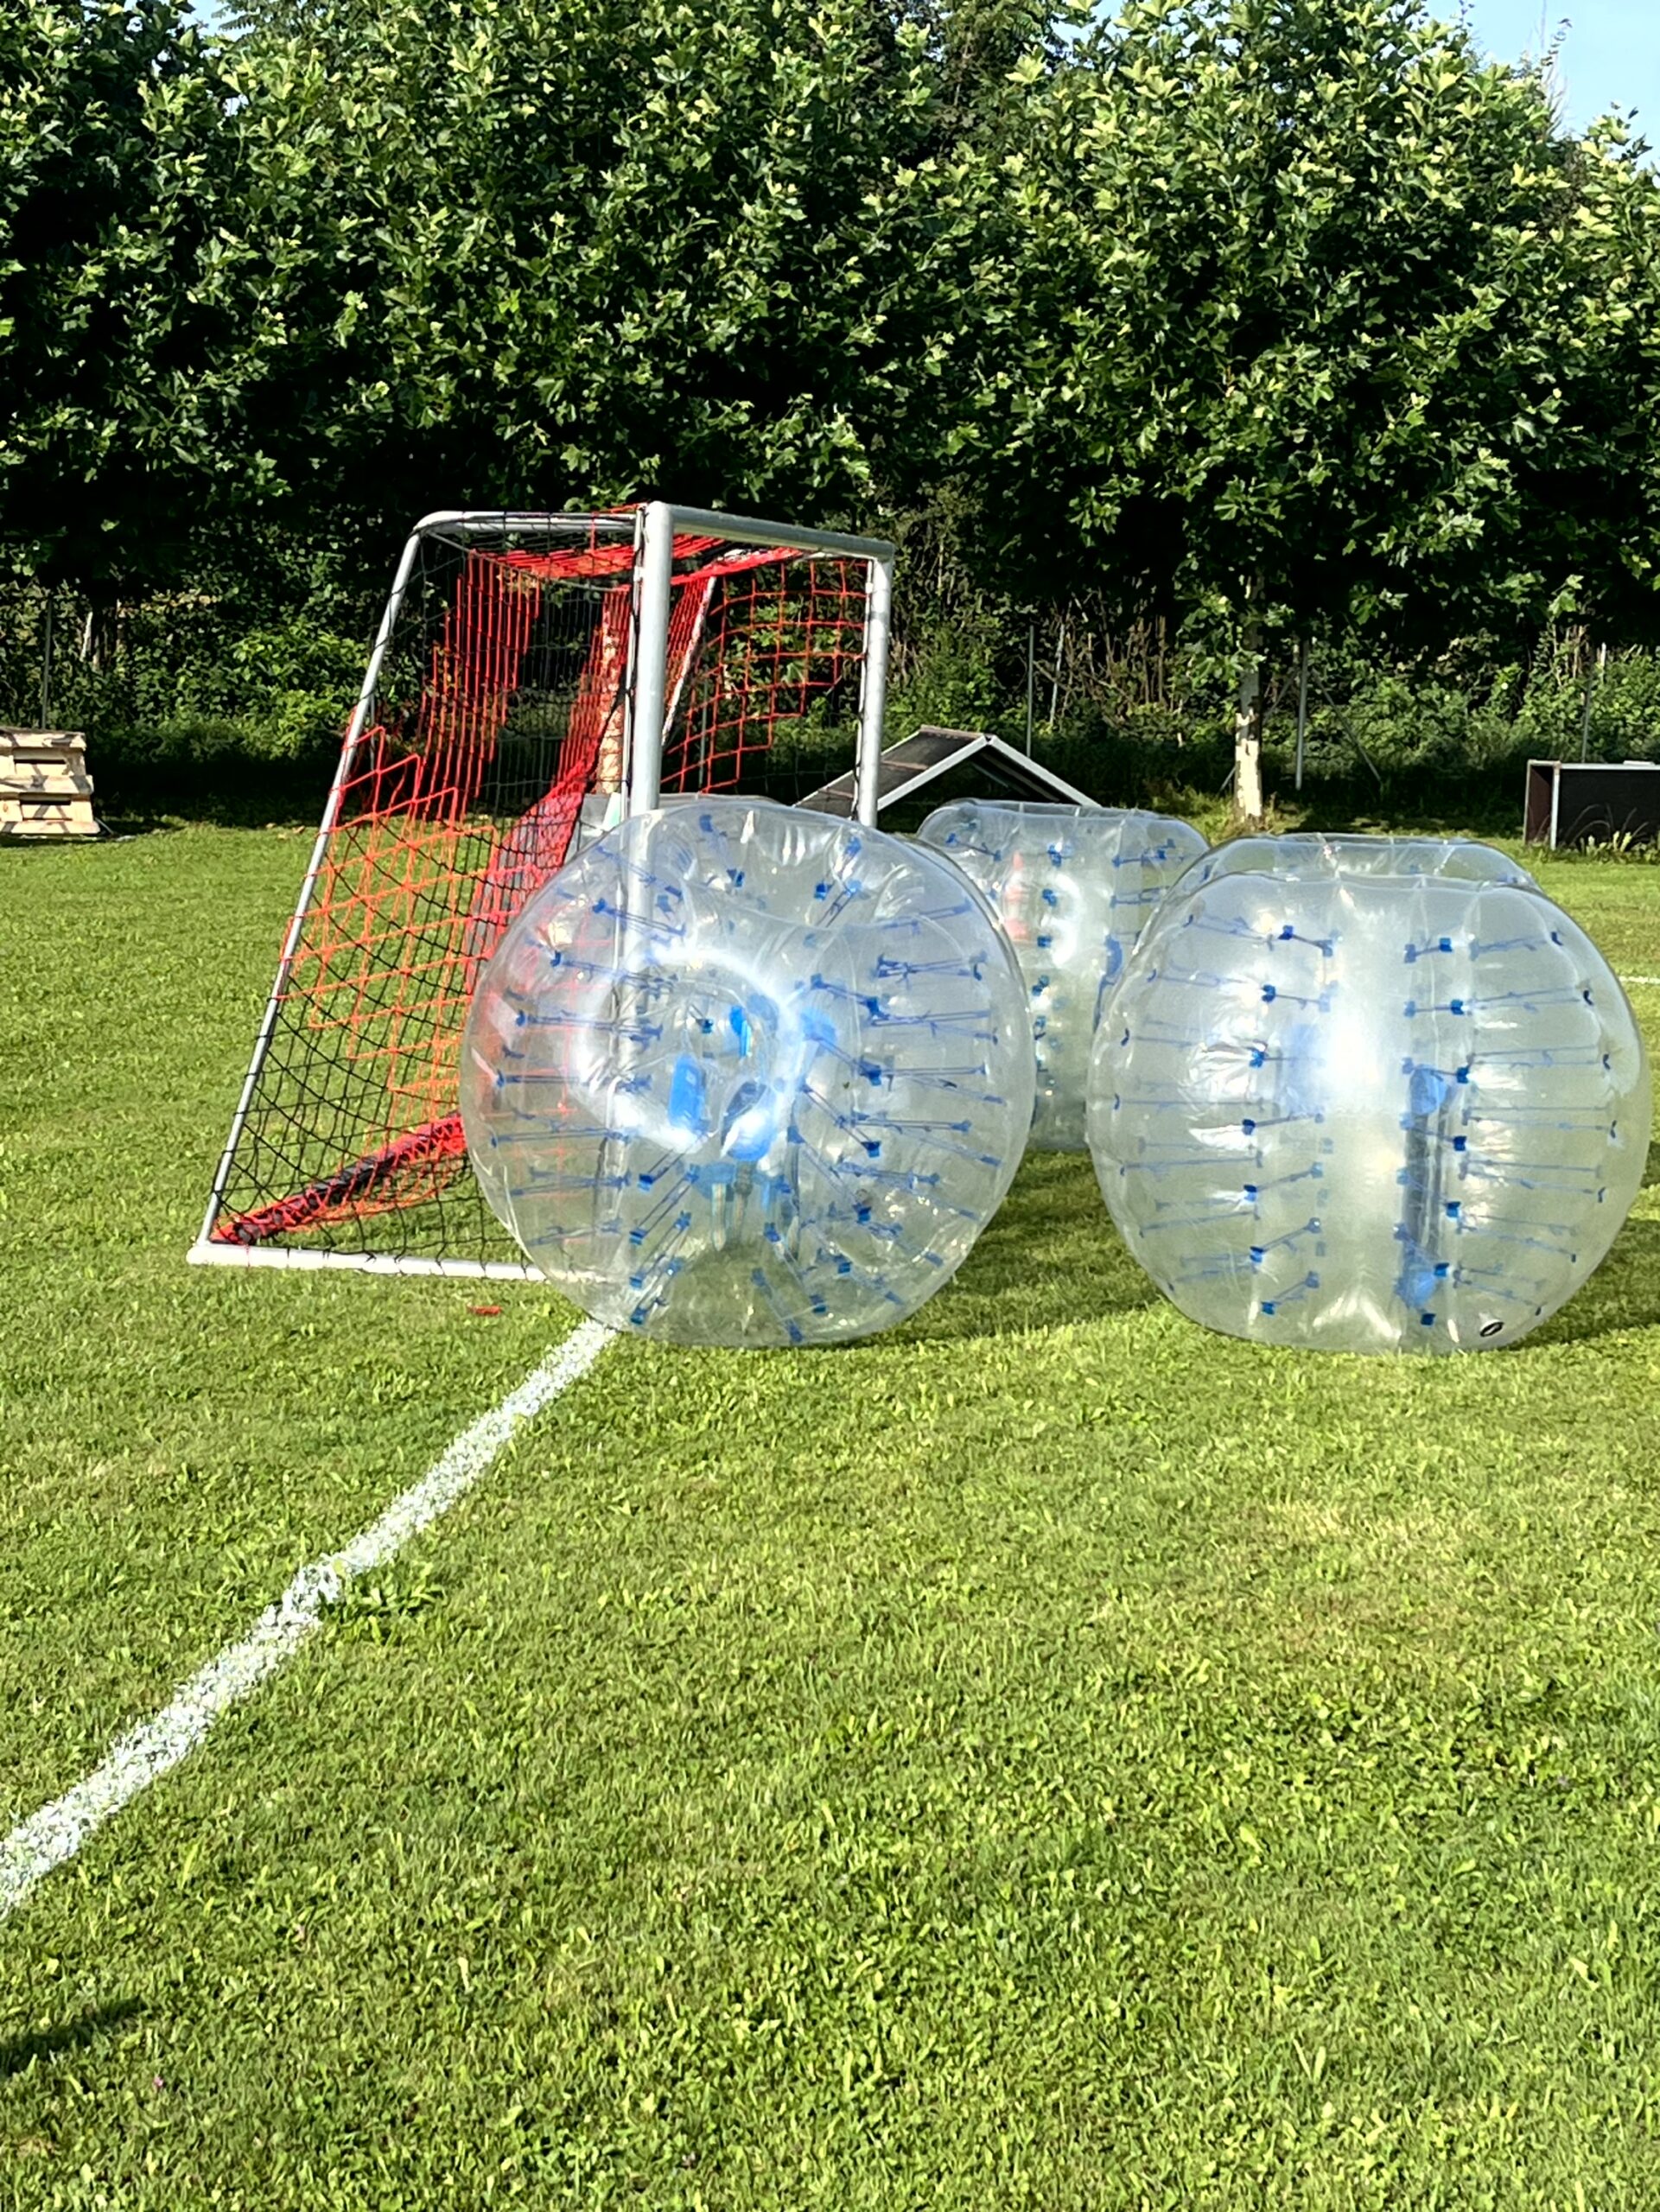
(1639, 979)
(53, 1835)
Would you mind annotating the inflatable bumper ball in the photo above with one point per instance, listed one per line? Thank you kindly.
(1366, 1110)
(1073, 886)
(1308, 857)
(741, 1074)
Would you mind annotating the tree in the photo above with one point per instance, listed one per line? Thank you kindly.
(1595, 491)
(574, 251)
(114, 363)
(1281, 286)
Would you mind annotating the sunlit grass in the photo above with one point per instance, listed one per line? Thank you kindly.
(1047, 1756)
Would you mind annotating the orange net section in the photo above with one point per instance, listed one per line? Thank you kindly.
(451, 813)
(767, 641)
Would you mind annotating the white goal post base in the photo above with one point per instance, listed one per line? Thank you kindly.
(203, 1254)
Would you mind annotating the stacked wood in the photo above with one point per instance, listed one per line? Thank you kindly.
(45, 791)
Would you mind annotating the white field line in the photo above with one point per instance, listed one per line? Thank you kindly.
(1639, 979)
(52, 1836)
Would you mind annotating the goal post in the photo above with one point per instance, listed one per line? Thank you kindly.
(532, 673)
(661, 526)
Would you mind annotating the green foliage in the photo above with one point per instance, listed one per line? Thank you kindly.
(569, 252)
(1313, 317)
(117, 342)
(1401, 738)
(1624, 719)
(234, 767)
(191, 700)
(1044, 1758)
(1220, 317)
(361, 261)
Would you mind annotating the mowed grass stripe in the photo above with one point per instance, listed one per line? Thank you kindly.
(996, 1764)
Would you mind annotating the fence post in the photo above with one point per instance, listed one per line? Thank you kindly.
(1593, 668)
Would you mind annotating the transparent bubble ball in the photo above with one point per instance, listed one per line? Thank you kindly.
(743, 1074)
(1073, 886)
(1367, 1111)
(1306, 857)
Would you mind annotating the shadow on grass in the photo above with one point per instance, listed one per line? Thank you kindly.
(251, 809)
(249, 812)
(1479, 811)
(1052, 1256)
(69, 2034)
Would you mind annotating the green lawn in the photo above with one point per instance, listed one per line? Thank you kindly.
(1047, 1756)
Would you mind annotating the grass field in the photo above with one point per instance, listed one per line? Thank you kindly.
(1046, 1757)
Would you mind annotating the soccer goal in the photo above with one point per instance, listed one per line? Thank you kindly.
(533, 677)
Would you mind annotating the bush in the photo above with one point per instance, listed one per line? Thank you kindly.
(251, 732)
(1624, 722)
(214, 768)
(187, 704)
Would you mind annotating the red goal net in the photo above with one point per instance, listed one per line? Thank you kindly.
(491, 735)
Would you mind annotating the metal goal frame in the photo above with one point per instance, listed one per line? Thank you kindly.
(656, 526)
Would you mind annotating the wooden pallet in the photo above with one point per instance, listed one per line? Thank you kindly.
(45, 791)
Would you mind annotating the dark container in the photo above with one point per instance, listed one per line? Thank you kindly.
(1583, 802)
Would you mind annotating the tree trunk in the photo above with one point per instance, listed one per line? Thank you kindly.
(1247, 728)
(98, 632)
